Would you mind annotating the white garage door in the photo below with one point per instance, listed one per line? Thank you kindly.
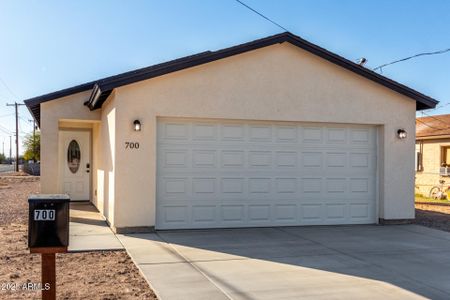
(220, 173)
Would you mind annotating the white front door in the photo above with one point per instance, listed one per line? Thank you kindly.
(75, 164)
(226, 173)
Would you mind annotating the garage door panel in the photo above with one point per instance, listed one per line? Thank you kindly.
(336, 211)
(204, 132)
(253, 186)
(238, 174)
(233, 214)
(259, 159)
(175, 186)
(204, 186)
(204, 158)
(312, 159)
(286, 159)
(260, 133)
(312, 135)
(175, 131)
(175, 215)
(360, 160)
(360, 186)
(336, 186)
(259, 213)
(335, 160)
(174, 158)
(286, 185)
(336, 136)
(361, 136)
(232, 159)
(360, 211)
(232, 132)
(286, 134)
(286, 213)
(204, 214)
(312, 213)
(312, 185)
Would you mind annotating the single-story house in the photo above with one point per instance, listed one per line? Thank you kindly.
(273, 132)
(432, 152)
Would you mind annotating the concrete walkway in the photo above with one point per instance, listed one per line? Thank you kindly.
(335, 262)
(88, 230)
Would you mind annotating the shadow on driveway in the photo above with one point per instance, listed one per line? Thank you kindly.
(370, 261)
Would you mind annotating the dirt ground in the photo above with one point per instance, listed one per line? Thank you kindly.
(89, 275)
(435, 216)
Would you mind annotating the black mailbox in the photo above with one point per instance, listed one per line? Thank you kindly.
(48, 223)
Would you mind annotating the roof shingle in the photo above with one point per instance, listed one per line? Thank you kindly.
(433, 126)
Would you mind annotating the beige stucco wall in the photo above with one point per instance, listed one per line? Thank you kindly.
(67, 112)
(431, 161)
(70, 113)
(280, 82)
(107, 157)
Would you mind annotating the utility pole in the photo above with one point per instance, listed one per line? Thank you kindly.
(10, 150)
(16, 105)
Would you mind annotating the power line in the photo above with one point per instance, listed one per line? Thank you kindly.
(8, 115)
(5, 130)
(410, 57)
(3, 95)
(433, 117)
(26, 121)
(261, 15)
(380, 67)
(7, 87)
(442, 106)
(437, 119)
(432, 127)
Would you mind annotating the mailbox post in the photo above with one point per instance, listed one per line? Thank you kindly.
(48, 234)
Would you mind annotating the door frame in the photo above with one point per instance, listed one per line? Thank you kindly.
(91, 159)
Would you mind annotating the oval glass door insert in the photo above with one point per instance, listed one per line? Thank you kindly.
(73, 156)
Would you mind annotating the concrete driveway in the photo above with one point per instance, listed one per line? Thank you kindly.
(330, 262)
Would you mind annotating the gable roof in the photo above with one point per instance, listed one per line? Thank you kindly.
(102, 88)
(433, 126)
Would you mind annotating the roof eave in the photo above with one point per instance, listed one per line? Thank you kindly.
(423, 101)
(101, 89)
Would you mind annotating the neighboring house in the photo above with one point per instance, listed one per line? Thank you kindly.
(274, 132)
(432, 152)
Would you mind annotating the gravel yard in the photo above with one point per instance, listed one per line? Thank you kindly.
(89, 275)
(435, 216)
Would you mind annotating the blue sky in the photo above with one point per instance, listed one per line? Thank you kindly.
(51, 45)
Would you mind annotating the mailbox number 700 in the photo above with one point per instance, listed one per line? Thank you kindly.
(44, 214)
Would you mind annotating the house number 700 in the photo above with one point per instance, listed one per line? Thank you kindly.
(131, 145)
